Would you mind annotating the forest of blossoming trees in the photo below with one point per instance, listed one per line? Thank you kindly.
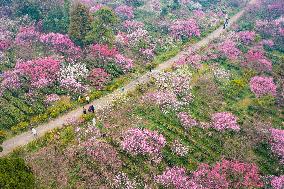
(214, 120)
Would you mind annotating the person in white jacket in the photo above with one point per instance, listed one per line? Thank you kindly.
(34, 132)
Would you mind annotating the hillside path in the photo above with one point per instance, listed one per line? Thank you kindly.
(26, 137)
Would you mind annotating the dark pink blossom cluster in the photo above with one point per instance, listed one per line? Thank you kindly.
(27, 35)
(176, 177)
(224, 120)
(125, 11)
(4, 44)
(277, 143)
(40, 72)
(186, 120)
(184, 28)
(98, 77)
(106, 53)
(277, 182)
(246, 36)
(229, 49)
(255, 59)
(103, 51)
(261, 85)
(143, 141)
(61, 44)
(224, 175)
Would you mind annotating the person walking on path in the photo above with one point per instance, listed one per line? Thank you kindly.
(84, 110)
(226, 21)
(34, 132)
(88, 99)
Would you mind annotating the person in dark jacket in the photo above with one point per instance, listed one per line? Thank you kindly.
(84, 110)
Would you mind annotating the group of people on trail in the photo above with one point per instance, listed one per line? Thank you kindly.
(90, 109)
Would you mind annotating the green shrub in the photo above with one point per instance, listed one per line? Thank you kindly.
(38, 119)
(20, 127)
(14, 173)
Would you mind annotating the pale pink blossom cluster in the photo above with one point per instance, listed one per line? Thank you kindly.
(246, 36)
(10, 80)
(125, 63)
(121, 38)
(148, 53)
(165, 99)
(137, 36)
(225, 120)
(179, 149)
(261, 85)
(186, 120)
(143, 141)
(131, 25)
(86, 136)
(277, 143)
(51, 98)
(267, 42)
(184, 28)
(277, 182)
(96, 7)
(71, 84)
(125, 11)
(121, 180)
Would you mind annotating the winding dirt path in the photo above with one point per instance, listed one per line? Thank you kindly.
(24, 138)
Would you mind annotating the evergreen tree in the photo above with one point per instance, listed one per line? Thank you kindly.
(102, 27)
(80, 24)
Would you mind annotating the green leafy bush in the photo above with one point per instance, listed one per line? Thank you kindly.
(14, 173)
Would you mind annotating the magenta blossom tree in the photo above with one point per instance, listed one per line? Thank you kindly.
(40, 72)
(261, 85)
